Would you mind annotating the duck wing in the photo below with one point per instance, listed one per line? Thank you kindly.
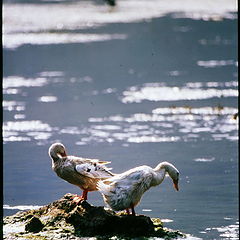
(133, 180)
(93, 168)
(132, 176)
(80, 160)
(122, 190)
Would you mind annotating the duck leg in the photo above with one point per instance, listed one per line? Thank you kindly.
(84, 195)
(133, 211)
(78, 199)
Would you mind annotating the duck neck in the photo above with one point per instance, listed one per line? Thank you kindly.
(159, 176)
(160, 170)
(57, 161)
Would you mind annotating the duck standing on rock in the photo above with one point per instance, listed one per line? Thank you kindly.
(124, 191)
(82, 172)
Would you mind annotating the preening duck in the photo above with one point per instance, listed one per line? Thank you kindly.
(124, 191)
(82, 172)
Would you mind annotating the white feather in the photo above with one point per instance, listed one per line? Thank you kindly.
(125, 190)
(92, 170)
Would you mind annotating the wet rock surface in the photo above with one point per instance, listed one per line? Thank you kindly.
(63, 219)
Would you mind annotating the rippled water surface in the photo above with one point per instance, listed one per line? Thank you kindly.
(139, 83)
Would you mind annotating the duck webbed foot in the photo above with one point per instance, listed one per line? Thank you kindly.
(133, 211)
(77, 199)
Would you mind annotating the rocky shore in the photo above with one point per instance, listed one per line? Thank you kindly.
(63, 219)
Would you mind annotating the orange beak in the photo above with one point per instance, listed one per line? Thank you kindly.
(175, 184)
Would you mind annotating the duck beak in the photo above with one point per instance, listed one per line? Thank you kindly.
(175, 184)
(62, 155)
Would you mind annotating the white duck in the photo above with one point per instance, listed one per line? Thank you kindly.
(82, 172)
(124, 191)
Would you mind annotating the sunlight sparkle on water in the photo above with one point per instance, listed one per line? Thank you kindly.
(230, 232)
(156, 92)
(88, 14)
(204, 159)
(21, 207)
(21, 23)
(215, 63)
(161, 125)
(26, 130)
(47, 99)
(18, 82)
(17, 39)
(13, 106)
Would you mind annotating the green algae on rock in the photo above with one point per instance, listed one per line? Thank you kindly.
(63, 219)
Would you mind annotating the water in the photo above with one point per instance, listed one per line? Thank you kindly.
(140, 83)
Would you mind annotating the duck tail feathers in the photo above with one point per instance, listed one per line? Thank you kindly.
(102, 187)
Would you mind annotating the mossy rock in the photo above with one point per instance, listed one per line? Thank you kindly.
(91, 221)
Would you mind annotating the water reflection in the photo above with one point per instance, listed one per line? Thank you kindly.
(13, 106)
(21, 207)
(168, 125)
(217, 40)
(230, 232)
(85, 14)
(215, 63)
(17, 82)
(15, 40)
(160, 92)
(47, 99)
(58, 20)
(163, 125)
(26, 131)
(204, 159)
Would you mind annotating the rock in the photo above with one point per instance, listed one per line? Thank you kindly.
(34, 225)
(63, 219)
(91, 221)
